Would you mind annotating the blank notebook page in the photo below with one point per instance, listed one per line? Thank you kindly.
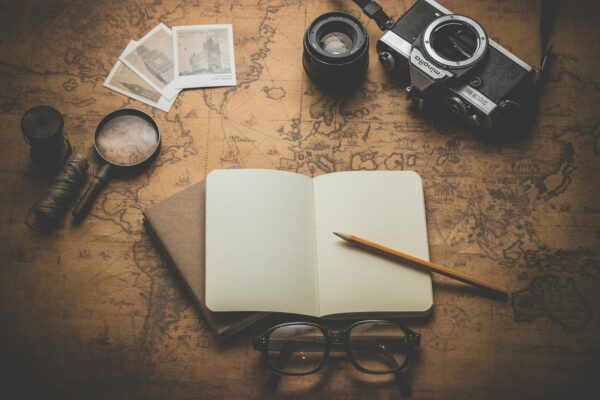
(386, 208)
(260, 242)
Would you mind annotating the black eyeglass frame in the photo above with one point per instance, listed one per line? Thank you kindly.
(339, 340)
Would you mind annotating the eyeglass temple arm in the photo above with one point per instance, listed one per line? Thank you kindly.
(273, 381)
(402, 383)
(400, 379)
(259, 343)
(275, 377)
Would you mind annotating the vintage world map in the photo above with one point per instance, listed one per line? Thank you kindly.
(94, 311)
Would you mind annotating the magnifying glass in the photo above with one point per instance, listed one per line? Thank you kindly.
(125, 139)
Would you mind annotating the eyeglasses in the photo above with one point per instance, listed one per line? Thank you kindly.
(373, 347)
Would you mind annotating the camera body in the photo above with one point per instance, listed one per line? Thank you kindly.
(448, 63)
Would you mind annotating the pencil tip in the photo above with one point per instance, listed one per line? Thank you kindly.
(342, 235)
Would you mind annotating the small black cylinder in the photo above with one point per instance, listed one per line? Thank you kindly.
(42, 127)
(336, 52)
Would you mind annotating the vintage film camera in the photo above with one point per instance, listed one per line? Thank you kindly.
(448, 62)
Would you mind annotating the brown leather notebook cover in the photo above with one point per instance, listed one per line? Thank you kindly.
(177, 225)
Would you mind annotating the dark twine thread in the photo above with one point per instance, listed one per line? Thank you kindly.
(47, 213)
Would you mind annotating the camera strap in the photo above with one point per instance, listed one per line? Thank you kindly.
(374, 11)
(547, 18)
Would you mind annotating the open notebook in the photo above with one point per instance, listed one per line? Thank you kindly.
(270, 244)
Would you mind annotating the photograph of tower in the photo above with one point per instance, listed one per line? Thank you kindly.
(203, 52)
(157, 62)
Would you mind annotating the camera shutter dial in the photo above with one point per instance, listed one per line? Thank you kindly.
(456, 105)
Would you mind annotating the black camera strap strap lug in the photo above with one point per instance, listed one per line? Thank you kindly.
(374, 11)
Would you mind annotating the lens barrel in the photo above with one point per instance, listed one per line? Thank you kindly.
(336, 52)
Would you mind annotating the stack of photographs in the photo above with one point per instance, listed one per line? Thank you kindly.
(154, 69)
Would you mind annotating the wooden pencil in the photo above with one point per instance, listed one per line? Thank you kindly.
(433, 267)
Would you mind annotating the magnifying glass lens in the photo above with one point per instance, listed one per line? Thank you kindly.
(127, 140)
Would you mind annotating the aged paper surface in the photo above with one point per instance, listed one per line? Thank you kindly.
(152, 59)
(123, 80)
(93, 310)
(203, 56)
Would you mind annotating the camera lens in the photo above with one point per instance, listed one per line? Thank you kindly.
(336, 43)
(336, 51)
(455, 41)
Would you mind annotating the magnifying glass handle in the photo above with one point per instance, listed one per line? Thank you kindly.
(86, 201)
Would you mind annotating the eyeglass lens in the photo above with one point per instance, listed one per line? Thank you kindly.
(296, 349)
(378, 346)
